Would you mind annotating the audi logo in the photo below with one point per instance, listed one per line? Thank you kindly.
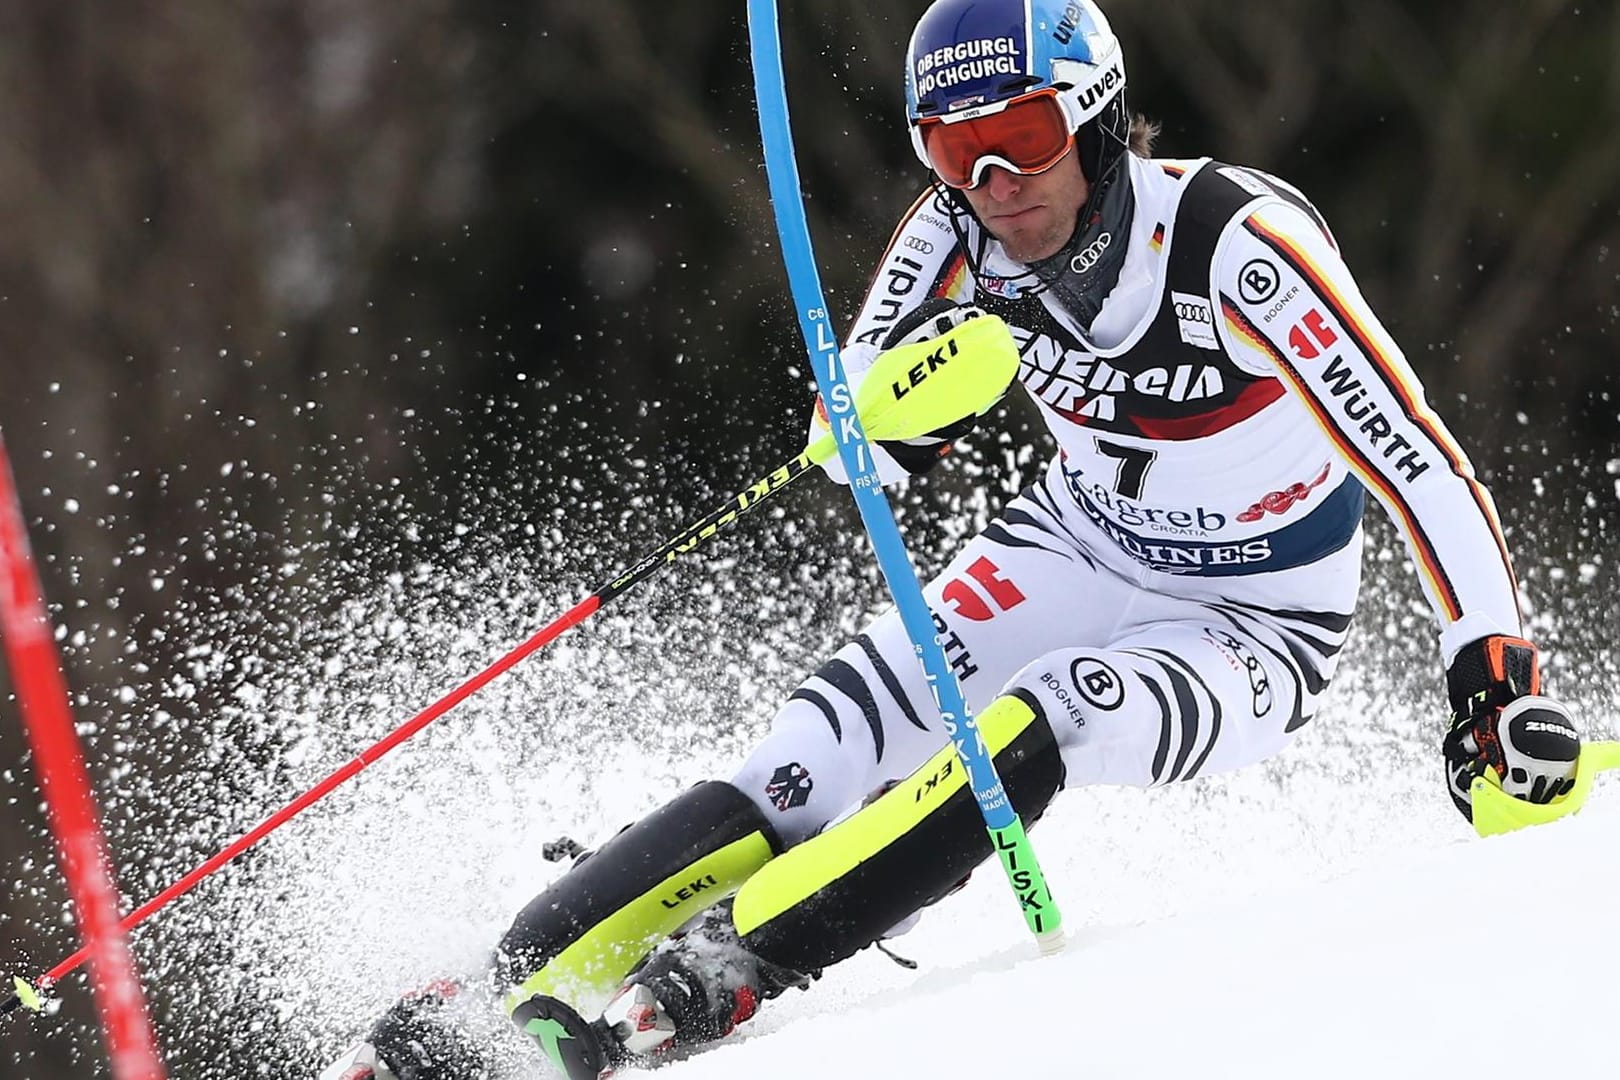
(1091, 254)
(1193, 313)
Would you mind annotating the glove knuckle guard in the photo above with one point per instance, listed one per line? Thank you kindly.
(929, 319)
(1539, 748)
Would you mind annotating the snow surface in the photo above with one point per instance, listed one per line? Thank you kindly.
(1499, 953)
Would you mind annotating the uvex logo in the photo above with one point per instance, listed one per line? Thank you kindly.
(1105, 85)
(689, 890)
(1068, 25)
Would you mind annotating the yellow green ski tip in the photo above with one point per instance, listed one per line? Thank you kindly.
(30, 997)
(1497, 812)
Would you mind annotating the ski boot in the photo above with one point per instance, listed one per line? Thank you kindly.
(414, 1040)
(693, 989)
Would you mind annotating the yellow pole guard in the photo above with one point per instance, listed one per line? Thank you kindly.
(1497, 812)
(593, 966)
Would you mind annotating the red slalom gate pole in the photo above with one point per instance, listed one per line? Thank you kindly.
(42, 697)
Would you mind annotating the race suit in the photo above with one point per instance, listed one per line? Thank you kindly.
(1174, 590)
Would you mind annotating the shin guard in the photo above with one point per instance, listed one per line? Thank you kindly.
(580, 937)
(839, 891)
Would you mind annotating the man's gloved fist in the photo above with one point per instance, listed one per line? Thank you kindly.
(927, 320)
(1500, 721)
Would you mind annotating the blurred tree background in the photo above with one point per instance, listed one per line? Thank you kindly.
(282, 278)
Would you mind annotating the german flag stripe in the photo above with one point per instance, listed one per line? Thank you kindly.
(1427, 559)
(1389, 372)
(949, 281)
(1300, 202)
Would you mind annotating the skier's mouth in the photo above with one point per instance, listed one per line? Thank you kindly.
(1016, 217)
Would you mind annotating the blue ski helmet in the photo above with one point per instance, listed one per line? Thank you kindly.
(970, 58)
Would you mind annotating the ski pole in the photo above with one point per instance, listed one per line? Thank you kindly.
(908, 393)
(782, 170)
(42, 698)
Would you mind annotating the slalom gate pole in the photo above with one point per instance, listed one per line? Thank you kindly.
(892, 404)
(1006, 829)
(42, 698)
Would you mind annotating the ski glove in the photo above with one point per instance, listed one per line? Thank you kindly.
(421, 1038)
(929, 319)
(1500, 721)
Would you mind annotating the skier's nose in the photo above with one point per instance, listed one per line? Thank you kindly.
(1002, 184)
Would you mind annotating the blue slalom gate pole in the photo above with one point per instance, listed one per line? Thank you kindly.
(1006, 830)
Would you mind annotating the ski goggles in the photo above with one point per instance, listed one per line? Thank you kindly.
(1026, 135)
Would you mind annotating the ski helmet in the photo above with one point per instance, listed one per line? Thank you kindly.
(1055, 65)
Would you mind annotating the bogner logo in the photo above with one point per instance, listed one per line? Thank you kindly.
(1091, 254)
(1085, 387)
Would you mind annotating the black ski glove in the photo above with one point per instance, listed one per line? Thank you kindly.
(418, 1039)
(929, 319)
(1500, 721)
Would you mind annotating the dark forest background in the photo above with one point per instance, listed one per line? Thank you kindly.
(285, 282)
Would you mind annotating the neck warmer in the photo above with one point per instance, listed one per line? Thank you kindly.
(1085, 271)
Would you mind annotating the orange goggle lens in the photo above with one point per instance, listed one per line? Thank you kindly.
(1030, 134)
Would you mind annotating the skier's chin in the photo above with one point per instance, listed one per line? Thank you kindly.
(1030, 242)
(1027, 248)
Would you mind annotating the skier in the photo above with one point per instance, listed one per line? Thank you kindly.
(1166, 602)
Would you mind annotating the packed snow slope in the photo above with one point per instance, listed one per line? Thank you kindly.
(1496, 955)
